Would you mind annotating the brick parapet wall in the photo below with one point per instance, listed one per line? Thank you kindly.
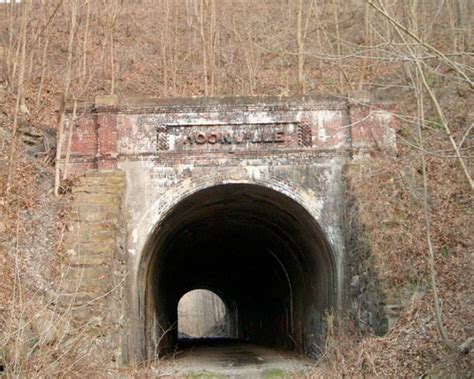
(373, 127)
(107, 141)
(118, 129)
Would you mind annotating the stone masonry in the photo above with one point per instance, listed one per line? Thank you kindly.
(143, 169)
(91, 285)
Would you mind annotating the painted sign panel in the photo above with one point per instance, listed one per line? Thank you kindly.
(231, 137)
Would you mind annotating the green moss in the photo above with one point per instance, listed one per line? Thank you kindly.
(445, 253)
(274, 373)
(203, 375)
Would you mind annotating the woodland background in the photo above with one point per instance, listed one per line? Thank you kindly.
(416, 208)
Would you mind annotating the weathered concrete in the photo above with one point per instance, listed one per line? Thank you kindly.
(244, 197)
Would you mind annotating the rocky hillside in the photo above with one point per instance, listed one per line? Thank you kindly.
(419, 54)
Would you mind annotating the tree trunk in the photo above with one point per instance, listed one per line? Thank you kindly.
(67, 83)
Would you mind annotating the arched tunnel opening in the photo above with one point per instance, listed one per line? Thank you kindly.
(202, 314)
(259, 250)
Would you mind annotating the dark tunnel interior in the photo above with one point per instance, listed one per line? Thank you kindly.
(259, 250)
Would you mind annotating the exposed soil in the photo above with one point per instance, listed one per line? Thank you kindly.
(209, 358)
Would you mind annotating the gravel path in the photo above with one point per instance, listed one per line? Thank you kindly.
(222, 358)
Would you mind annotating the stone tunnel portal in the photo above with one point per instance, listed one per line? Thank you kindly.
(260, 251)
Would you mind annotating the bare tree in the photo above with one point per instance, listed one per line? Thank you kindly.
(67, 84)
(20, 94)
(85, 41)
(403, 31)
(113, 19)
(300, 46)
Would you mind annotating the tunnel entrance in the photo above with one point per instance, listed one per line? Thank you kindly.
(202, 314)
(259, 250)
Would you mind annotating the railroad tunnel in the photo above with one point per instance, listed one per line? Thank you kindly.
(263, 254)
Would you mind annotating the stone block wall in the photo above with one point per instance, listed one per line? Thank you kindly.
(93, 270)
(366, 299)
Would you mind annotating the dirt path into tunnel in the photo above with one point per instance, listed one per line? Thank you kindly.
(224, 358)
